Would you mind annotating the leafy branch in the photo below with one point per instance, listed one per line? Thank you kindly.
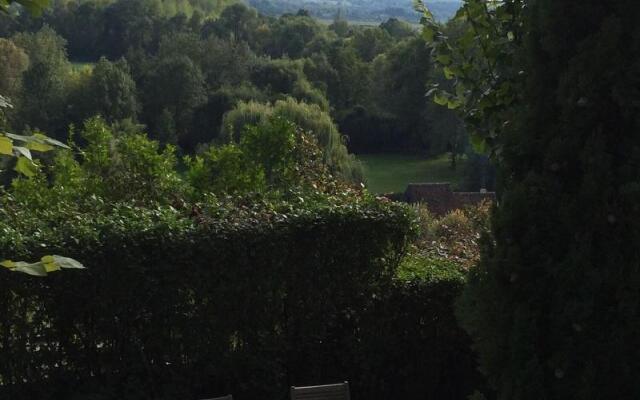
(20, 148)
(477, 52)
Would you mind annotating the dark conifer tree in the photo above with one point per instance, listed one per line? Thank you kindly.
(554, 306)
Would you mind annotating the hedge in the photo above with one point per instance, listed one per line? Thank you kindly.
(246, 300)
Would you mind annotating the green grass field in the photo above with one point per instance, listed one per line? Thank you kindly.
(393, 172)
(79, 66)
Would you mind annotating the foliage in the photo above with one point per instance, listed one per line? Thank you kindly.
(25, 165)
(310, 118)
(14, 62)
(553, 305)
(238, 21)
(272, 155)
(41, 103)
(365, 77)
(454, 237)
(177, 85)
(224, 169)
(220, 300)
(412, 331)
(370, 42)
(477, 50)
(112, 91)
(34, 6)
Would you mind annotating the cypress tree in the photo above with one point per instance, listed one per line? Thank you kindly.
(554, 306)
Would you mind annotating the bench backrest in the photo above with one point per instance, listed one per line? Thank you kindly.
(339, 391)
(227, 397)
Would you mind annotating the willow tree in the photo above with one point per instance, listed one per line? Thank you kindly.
(554, 305)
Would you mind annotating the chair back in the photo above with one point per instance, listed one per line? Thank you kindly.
(338, 391)
(227, 397)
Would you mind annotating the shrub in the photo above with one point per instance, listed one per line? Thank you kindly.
(246, 294)
(245, 298)
(413, 347)
(114, 166)
(308, 117)
(272, 156)
(455, 236)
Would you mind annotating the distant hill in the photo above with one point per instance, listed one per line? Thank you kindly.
(358, 10)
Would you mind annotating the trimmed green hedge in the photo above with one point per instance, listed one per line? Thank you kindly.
(414, 345)
(246, 299)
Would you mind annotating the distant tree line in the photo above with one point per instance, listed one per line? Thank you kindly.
(179, 70)
(358, 10)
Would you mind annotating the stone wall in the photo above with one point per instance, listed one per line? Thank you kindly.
(440, 199)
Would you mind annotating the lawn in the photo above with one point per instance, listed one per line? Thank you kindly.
(79, 66)
(393, 172)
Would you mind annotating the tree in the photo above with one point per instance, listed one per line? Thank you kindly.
(274, 155)
(42, 102)
(128, 24)
(340, 25)
(82, 25)
(397, 28)
(397, 93)
(226, 62)
(291, 35)
(177, 85)
(237, 21)
(370, 42)
(352, 84)
(13, 62)
(308, 117)
(553, 306)
(113, 91)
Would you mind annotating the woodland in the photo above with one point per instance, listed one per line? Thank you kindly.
(183, 213)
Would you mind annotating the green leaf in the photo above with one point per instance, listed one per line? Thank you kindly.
(22, 151)
(444, 59)
(46, 265)
(433, 90)
(67, 263)
(449, 73)
(54, 142)
(4, 102)
(35, 7)
(42, 147)
(440, 98)
(454, 103)
(26, 167)
(466, 41)
(36, 140)
(420, 7)
(35, 269)
(479, 143)
(428, 34)
(6, 146)
(21, 138)
(51, 267)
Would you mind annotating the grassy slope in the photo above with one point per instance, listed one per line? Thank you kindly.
(393, 172)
